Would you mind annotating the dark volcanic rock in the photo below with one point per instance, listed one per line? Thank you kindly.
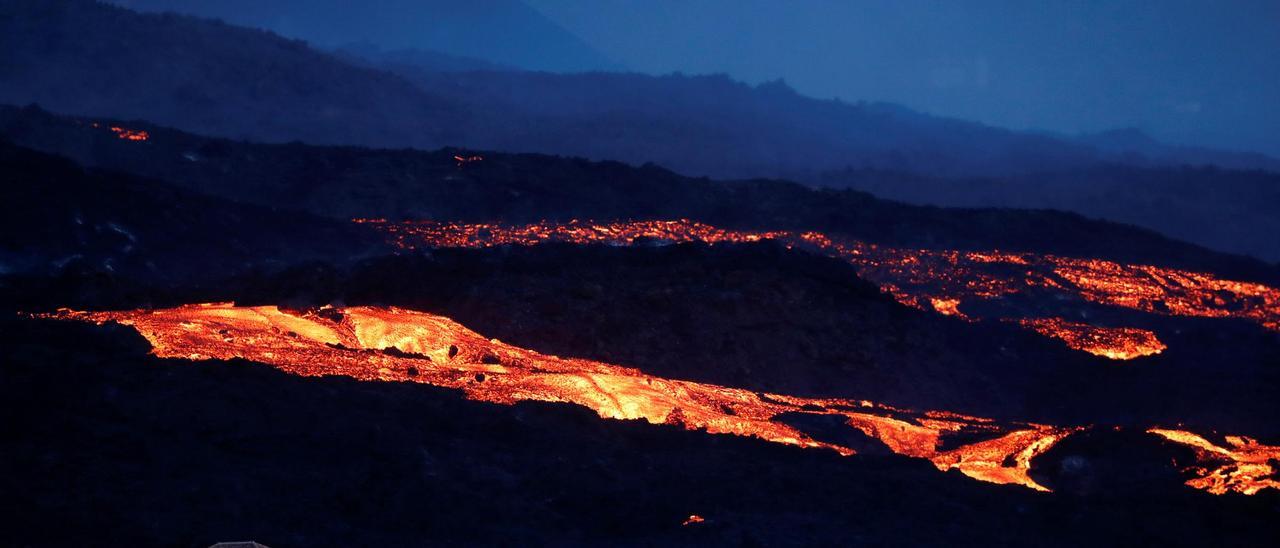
(346, 182)
(104, 442)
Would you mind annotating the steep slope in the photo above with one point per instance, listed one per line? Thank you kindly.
(161, 452)
(56, 217)
(85, 57)
(343, 183)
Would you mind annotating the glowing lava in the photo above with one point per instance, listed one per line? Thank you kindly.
(1246, 466)
(1117, 343)
(130, 134)
(464, 160)
(936, 280)
(392, 344)
(693, 519)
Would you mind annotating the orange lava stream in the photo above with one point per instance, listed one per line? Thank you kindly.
(130, 134)
(392, 344)
(937, 280)
(1246, 466)
(1117, 343)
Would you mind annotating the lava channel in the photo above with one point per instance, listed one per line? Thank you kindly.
(937, 280)
(393, 344)
(1242, 466)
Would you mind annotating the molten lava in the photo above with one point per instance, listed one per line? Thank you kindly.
(464, 160)
(130, 134)
(947, 307)
(1117, 343)
(392, 344)
(937, 280)
(1245, 467)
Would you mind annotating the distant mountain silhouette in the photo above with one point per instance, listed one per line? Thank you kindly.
(714, 126)
(87, 58)
(412, 60)
(506, 32)
(1129, 142)
(216, 79)
(1229, 210)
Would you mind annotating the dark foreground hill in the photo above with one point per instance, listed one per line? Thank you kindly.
(56, 217)
(92, 239)
(106, 443)
(763, 318)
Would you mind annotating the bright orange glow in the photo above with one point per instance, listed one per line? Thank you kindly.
(1246, 466)
(947, 307)
(464, 160)
(1176, 292)
(130, 134)
(1117, 343)
(936, 280)
(392, 344)
(693, 519)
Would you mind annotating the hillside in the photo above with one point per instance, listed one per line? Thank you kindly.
(349, 182)
(212, 78)
(712, 125)
(81, 56)
(57, 218)
(224, 450)
(394, 292)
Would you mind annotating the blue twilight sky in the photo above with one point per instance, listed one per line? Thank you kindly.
(1186, 71)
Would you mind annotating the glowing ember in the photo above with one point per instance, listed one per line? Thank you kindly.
(130, 134)
(947, 307)
(1245, 467)
(936, 280)
(391, 344)
(464, 160)
(1117, 343)
(1176, 292)
(693, 519)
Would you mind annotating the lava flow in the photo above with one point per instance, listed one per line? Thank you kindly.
(1117, 343)
(937, 280)
(130, 134)
(392, 344)
(1245, 467)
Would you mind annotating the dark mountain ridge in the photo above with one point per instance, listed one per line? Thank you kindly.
(348, 182)
(507, 32)
(87, 57)
(209, 77)
(81, 57)
(214, 451)
(1228, 210)
(57, 218)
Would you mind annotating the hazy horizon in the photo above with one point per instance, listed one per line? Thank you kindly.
(1185, 72)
